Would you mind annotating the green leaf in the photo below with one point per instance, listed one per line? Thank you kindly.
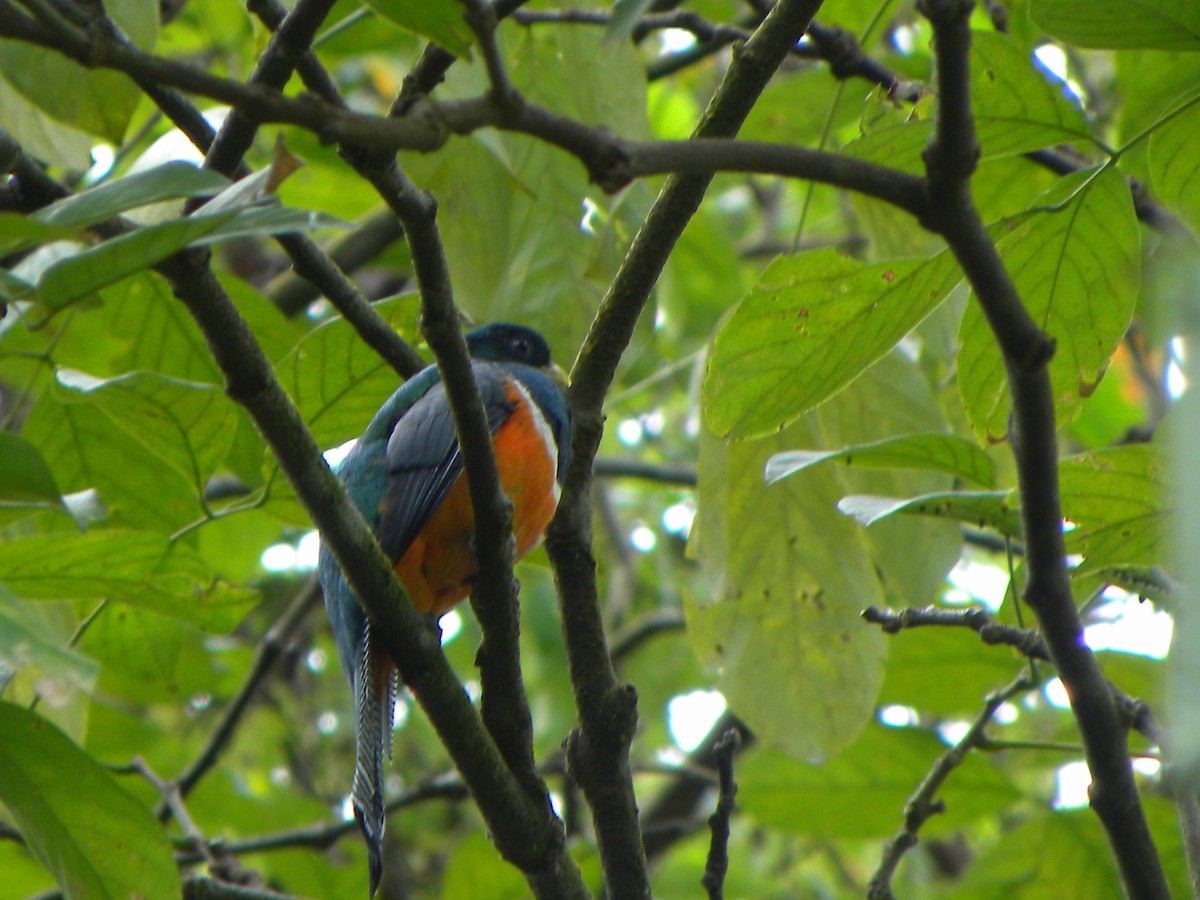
(41, 136)
(1154, 24)
(82, 273)
(1076, 267)
(946, 453)
(155, 330)
(1115, 498)
(1060, 853)
(788, 578)
(862, 792)
(24, 641)
(624, 16)
(475, 871)
(945, 672)
(1017, 108)
(94, 837)
(138, 568)
(1175, 160)
(19, 231)
(337, 381)
(86, 449)
(439, 20)
(189, 426)
(24, 475)
(98, 101)
(809, 327)
(171, 180)
(985, 509)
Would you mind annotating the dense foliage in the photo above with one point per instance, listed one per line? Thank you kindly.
(933, 303)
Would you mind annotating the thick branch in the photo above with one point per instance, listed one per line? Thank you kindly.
(598, 751)
(524, 833)
(950, 159)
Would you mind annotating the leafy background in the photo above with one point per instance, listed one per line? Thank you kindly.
(797, 329)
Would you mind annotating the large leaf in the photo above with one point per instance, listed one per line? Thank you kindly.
(1175, 161)
(336, 381)
(945, 672)
(169, 181)
(787, 578)
(1115, 498)
(138, 568)
(156, 332)
(1155, 24)
(94, 837)
(97, 101)
(86, 449)
(809, 327)
(945, 453)
(41, 136)
(862, 792)
(189, 426)
(439, 20)
(1076, 266)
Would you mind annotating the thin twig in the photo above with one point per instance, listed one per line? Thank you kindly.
(717, 862)
(924, 803)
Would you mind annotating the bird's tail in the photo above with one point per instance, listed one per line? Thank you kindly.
(375, 697)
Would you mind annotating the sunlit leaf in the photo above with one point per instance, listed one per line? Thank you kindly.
(1076, 268)
(789, 578)
(96, 100)
(190, 426)
(809, 327)
(931, 452)
(439, 20)
(988, 509)
(862, 792)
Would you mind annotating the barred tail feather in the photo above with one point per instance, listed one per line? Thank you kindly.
(375, 698)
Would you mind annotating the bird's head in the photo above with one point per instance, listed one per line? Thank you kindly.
(504, 342)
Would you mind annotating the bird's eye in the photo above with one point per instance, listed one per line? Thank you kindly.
(521, 347)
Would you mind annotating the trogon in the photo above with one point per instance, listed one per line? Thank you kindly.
(405, 474)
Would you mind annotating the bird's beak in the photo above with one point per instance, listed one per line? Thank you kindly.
(555, 371)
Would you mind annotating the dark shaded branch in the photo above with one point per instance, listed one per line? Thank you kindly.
(677, 810)
(979, 620)
(717, 862)
(950, 160)
(924, 803)
(326, 834)
(666, 473)
(598, 751)
(350, 252)
(524, 833)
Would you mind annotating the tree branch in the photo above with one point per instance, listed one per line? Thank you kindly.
(598, 752)
(923, 803)
(717, 862)
(950, 160)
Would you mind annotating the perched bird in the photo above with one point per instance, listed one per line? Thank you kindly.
(405, 475)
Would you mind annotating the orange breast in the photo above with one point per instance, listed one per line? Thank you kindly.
(438, 569)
